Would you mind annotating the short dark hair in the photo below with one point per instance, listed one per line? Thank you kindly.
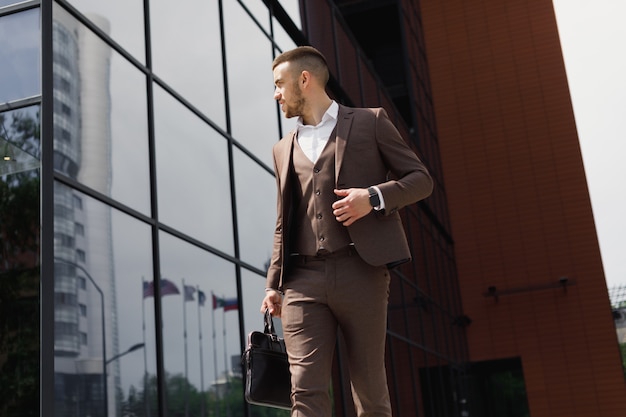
(305, 58)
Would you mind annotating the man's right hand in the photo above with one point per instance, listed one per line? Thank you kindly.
(272, 301)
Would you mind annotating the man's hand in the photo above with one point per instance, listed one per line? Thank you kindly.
(272, 301)
(354, 205)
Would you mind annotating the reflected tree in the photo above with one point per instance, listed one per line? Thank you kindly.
(19, 274)
(230, 403)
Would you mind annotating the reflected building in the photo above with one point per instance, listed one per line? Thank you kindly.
(85, 314)
(146, 137)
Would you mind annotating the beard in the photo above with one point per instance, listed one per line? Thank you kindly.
(296, 108)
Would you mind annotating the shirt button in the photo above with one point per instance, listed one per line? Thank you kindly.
(319, 215)
(317, 192)
(322, 239)
(316, 170)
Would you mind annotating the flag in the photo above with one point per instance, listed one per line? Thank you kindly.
(226, 303)
(148, 289)
(201, 298)
(168, 287)
(189, 291)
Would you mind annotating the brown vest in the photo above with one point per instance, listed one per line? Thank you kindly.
(316, 231)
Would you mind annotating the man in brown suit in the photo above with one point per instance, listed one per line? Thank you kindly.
(342, 176)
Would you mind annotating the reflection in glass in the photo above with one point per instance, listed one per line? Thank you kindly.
(293, 10)
(256, 211)
(187, 53)
(100, 115)
(192, 174)
(200, 330)
(19, 140)
(136, 329)
(121, 19)
(253, 111)
(260, 12)
(19, 55)
(19, 264)
(101, 257)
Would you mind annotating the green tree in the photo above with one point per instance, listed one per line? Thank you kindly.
(19, 273)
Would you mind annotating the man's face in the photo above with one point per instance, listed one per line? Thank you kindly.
(287, 91)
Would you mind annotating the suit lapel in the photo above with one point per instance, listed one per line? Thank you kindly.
(286, 155)
(344, 122)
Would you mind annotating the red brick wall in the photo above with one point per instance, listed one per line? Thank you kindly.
(519, 204)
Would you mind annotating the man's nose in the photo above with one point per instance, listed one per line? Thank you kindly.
(277, 94)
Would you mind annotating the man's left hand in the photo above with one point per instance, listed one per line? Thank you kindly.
(354, 204)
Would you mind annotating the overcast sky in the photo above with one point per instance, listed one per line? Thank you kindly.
(593, 34)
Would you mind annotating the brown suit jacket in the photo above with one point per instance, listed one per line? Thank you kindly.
(369, 151)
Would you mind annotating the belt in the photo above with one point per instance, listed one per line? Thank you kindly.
(302, 259)
(345, 251)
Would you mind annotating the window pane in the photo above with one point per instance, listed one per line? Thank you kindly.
(260, 12)
(199, 341)
(19, 266)
(100, 115)
(256, 211)
(100, 307)
(19, 140)
(192, 174)
(187, 53)
(253, 110)
(19, 55)
(120, 19)
(292, 8)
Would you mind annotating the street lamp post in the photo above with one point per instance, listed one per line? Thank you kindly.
(104, 345)
(130, 349)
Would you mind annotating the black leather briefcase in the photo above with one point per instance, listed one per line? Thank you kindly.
(266, 368)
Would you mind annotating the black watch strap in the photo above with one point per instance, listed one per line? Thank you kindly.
(374, 199)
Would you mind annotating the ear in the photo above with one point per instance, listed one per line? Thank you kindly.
(305, 78)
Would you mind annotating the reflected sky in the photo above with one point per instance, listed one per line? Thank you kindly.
(124, 22)
(19, 55)
(187, 52)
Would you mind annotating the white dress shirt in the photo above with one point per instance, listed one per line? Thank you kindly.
(313, 139)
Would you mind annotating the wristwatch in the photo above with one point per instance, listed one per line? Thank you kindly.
(374, 199)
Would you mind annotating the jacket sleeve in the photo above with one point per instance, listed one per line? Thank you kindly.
(410, 180)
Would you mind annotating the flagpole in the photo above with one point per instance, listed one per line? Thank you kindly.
(217, 409)
(201, 360)
(225, 358)
(145, 359)
(186, 383)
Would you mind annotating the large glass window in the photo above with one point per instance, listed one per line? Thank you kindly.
(192, 174)
(200, 329)
(19, 55)
(120, 19)
(256, 211)
(187, 53)
(100, 115)
(19, 261)
(103, 311)
(250, 83)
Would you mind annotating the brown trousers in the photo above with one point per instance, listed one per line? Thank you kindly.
(322, 295)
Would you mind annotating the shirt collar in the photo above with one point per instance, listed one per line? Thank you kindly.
(331, 113)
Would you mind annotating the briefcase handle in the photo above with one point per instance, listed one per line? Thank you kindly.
(269, 323)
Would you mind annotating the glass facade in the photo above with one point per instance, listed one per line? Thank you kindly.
(156, 122)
